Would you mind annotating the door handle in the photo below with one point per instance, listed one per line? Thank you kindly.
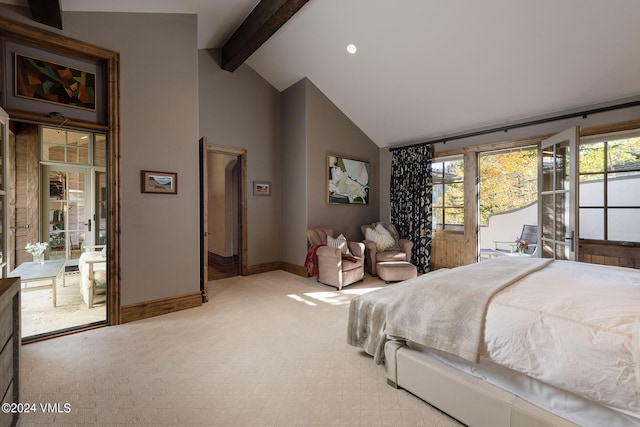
(88, 224)
(570, 238)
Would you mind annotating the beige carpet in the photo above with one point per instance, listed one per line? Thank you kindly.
(39, 316)
(267, 350)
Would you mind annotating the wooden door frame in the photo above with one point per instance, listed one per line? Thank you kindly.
(241, 154)
(204, 220)
(110, 60)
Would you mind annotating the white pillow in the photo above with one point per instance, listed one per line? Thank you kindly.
(339, 242)
(383, 240)
(390, 229)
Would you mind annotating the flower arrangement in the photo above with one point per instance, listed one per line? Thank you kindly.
(36, 248)
(37, 251)
(521, 245)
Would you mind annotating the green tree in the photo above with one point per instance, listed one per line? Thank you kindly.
(508, 181)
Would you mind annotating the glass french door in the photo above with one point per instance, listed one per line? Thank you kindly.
(557, 196)
(67, 217)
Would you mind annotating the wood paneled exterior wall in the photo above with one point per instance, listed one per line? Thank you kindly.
(609, 253)
(26, 193)
(447, 249)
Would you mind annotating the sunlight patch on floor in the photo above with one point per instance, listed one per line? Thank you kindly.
(300, 299)
(342, 297)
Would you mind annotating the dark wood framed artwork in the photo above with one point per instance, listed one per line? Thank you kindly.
(45, 81)
(48, 81)
(159, 182)
(347, 181)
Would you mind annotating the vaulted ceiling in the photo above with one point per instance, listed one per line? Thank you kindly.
(430, 68)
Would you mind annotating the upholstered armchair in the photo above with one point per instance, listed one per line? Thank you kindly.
(334, 266)
(380, 248)
(93, 273)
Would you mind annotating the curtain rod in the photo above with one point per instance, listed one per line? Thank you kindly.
(507, 128)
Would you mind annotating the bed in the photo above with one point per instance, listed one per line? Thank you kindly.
(513, 341)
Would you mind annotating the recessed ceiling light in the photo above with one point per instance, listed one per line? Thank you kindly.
(351, 48)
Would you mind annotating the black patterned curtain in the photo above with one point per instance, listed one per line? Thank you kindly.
(411, 197)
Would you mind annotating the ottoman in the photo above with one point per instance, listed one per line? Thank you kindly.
(396, 271)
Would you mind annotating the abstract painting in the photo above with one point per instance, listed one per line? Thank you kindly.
(347, 181)
(58, 84)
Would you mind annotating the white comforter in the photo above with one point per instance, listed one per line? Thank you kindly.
(447, 312)
(573, 325)
(584, 339)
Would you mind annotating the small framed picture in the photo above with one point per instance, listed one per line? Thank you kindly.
(159, 182)
(261, 188)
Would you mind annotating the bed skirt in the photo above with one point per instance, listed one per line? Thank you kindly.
(491, 396)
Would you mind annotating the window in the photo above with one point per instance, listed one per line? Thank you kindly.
(448, 193)
(60, 145)
(609, 176)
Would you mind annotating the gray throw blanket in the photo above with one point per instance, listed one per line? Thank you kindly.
(447, 311)
(367, 318)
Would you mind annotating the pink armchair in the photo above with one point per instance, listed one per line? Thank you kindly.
(401, 251)
(333, 270)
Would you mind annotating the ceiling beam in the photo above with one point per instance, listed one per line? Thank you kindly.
(46, 12)
(263, 21)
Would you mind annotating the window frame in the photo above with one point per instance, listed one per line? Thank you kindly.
(444, 226)
(607, 174)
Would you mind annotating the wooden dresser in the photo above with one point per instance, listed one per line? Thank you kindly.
(10, 342)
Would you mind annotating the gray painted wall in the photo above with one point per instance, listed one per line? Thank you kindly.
(313, 127)
(159, 122)
(242, 110)
(294, 175)
(159, 131)
(332, 132)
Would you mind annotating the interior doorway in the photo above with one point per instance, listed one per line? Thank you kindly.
(225, 210)
(224, 174)
(59, 177)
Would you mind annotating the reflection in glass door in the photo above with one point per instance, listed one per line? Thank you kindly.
(100, 215)
(66, 211)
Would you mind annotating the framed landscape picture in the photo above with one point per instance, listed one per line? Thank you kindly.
(159, 182)
(347, 181)
(261, 188)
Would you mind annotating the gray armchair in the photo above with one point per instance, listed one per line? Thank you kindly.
(400, 252)
(333, 270)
